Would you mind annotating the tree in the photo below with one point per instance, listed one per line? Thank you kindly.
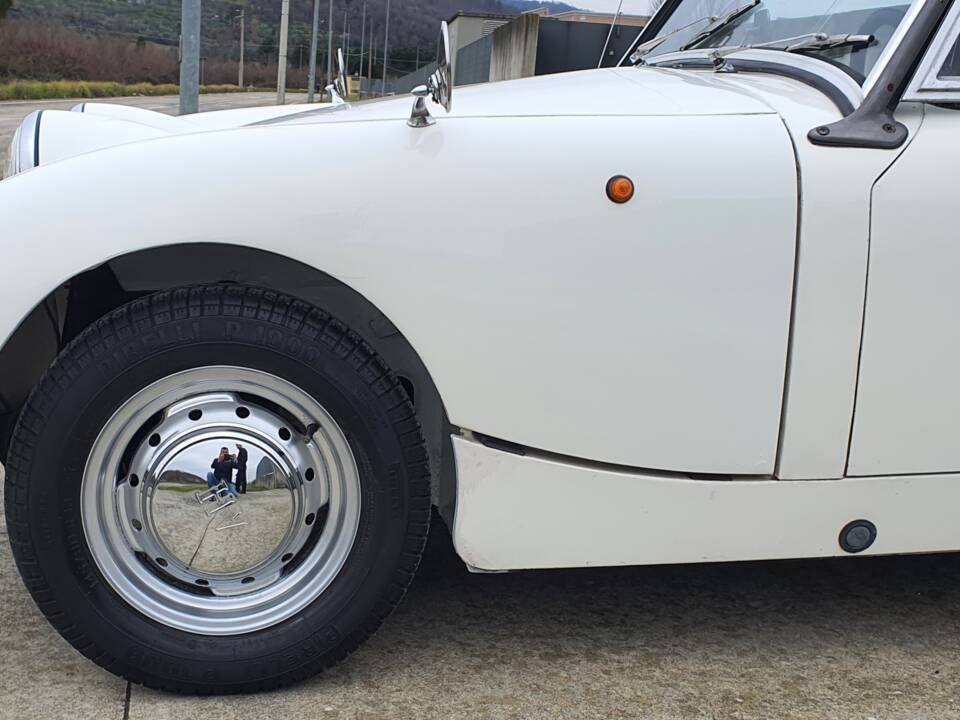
(4, 6)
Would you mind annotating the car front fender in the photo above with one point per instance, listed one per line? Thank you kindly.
(651, 334)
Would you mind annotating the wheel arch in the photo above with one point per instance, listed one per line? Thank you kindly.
(92, 293)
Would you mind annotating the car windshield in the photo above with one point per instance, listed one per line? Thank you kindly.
(769, 21)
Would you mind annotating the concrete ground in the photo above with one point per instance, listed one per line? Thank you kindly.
(856, 638)
(261, 518)
(12, 113)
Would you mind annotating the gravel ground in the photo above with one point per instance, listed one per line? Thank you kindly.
(13, 112)
(856, 638)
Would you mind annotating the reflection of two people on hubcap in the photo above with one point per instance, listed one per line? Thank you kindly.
(222, 467)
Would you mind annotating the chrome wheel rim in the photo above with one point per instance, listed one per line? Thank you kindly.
(177, 545)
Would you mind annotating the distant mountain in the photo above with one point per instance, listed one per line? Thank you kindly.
(413, 23)
(527, 5)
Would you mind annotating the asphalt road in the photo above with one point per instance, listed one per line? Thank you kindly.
(12, 113)
(855, 638)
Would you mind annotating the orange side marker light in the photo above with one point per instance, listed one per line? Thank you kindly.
(620, 188)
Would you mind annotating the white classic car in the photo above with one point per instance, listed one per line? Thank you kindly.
(697, 307)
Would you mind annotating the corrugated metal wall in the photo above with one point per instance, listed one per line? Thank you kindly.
(566, 46)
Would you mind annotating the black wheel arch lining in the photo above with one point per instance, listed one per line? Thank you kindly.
(90, 294)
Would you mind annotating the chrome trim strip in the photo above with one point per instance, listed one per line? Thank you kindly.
(326, 108)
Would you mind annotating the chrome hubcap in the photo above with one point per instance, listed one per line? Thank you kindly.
(170, 533)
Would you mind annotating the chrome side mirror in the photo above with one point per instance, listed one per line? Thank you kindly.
(420, 117)
(441, 82)
(439, 85)
(338, 88)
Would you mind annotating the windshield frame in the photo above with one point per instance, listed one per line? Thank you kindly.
(663, 14)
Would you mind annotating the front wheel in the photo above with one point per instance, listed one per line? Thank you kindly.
(122, 493)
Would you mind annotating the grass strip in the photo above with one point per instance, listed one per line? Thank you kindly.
(65, 89)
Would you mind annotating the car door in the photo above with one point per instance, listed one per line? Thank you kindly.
(907, 414)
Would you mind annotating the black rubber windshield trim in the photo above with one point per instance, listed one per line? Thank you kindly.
(36, 140)
(818, 82)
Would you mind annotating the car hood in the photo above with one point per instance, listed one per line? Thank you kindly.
(613, 91)
(608, 92)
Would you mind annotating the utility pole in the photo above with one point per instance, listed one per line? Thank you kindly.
(373, 49)
(386, 45)
(312, 81)
(330, 45)
(282, 60)
(243, 37)
(363, 30)
(190, 57)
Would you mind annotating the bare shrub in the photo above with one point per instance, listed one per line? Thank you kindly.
(39, 52)
(29, 51)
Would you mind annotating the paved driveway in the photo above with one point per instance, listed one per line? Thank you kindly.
(12, 113)
(861, 638)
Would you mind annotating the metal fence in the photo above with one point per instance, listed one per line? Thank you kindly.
(376, 87)
(408, 82)
(473, 62)
(471, 66)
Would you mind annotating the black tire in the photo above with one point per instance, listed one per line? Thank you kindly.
(186, 328)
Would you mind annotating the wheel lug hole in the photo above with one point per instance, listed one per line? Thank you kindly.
(162, 562)
(137, 525)
(154, 440)
(243, 412)
(309, 474)
(201, 581)
(284, 434)
(310, 518)
(195, 415)
(287, 557)
(247, 580)
(133, 481)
